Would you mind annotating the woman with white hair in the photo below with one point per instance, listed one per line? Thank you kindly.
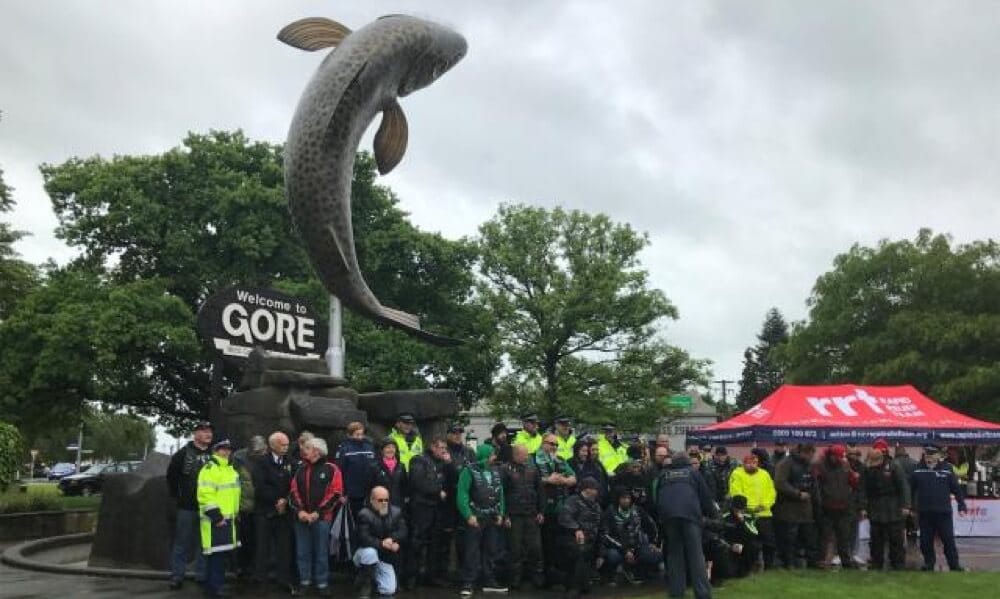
(317, 488)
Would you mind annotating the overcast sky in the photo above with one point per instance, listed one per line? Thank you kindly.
(753, 141)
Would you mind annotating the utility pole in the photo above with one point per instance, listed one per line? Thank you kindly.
(79, 446)
(725, 392)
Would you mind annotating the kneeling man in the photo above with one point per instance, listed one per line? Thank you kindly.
(380, 531)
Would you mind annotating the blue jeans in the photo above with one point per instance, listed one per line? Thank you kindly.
(385, 574)
(186, 532)
(312, 552)
(644, 557)
(215, 572)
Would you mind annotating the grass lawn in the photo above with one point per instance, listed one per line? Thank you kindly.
(811, 584)
(43, 497)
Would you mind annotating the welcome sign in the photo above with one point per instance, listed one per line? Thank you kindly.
(238, 319)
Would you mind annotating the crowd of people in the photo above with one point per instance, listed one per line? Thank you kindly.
(542, 508)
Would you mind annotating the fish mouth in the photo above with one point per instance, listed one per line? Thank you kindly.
(440, 55)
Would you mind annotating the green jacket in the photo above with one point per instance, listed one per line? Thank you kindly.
(480, 473)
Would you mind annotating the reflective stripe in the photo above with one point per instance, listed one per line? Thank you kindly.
(219, 548)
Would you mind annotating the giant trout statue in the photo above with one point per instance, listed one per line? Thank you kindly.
(365, 74)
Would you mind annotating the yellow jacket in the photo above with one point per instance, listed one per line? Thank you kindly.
(407, 450)
(610, 457)
(758, 488)
(533, 443)
(218, 496)
(564, 447)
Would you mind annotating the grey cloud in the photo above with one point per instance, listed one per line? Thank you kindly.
(753, 141)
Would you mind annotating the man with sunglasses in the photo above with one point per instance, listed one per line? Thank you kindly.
(380, 533)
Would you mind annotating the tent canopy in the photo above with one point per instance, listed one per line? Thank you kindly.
(848, 414)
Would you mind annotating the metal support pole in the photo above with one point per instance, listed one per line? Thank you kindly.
(79, 447)
(336, 350)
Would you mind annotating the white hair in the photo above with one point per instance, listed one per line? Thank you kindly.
(257, 444)
(317, 443)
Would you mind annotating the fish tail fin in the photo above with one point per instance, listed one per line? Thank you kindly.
(410, 324)
(403, 318)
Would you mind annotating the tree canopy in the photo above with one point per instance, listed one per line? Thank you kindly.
(159, 233)
(17, 277)
(762, 373)
(577, 318)
(923, 311)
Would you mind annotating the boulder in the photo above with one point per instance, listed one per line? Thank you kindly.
(135, 524)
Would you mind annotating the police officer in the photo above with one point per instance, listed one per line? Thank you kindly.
(219, 503)
(407, 438)
(529, 435)
(933, 484)
(565, 439)
(610, 450)
(683, 501)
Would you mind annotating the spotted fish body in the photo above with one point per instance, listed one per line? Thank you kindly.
(363, 76)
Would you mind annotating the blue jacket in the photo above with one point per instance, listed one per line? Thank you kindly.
(932, 488)
(683, 493)
(356, 459)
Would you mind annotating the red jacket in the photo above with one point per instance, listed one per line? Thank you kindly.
(317, 488)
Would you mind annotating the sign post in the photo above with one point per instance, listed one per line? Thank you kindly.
(336, 353)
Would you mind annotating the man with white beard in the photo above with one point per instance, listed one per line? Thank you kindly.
(380, 530)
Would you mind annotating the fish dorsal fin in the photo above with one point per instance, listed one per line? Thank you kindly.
(313, 33)
(391, 138)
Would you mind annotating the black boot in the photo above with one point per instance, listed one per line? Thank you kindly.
(364, 580)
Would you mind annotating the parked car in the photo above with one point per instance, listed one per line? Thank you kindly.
(57, 471)
(91, 481)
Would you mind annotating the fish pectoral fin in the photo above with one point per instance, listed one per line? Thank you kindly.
(391, 138)
(313, 33)
(339, 254)
(404, 318)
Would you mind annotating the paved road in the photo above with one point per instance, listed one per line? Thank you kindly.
(976, 554)
(24, 584)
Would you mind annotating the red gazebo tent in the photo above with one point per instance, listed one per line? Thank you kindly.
(848, 414)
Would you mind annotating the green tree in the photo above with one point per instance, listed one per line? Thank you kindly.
(80, 338)
(117, 436)
(762, 374)
(923, 312)
(161, 232)
(16, 275)
(576, 317)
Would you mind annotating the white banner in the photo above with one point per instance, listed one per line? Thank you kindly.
(982, 519)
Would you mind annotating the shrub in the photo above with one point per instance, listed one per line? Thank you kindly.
(11, 446)
(16, 503)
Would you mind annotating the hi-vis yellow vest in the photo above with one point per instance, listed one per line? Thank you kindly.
(218, 488)
(610, 457)
(533, 443)
(565, 446)
(406, 450)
